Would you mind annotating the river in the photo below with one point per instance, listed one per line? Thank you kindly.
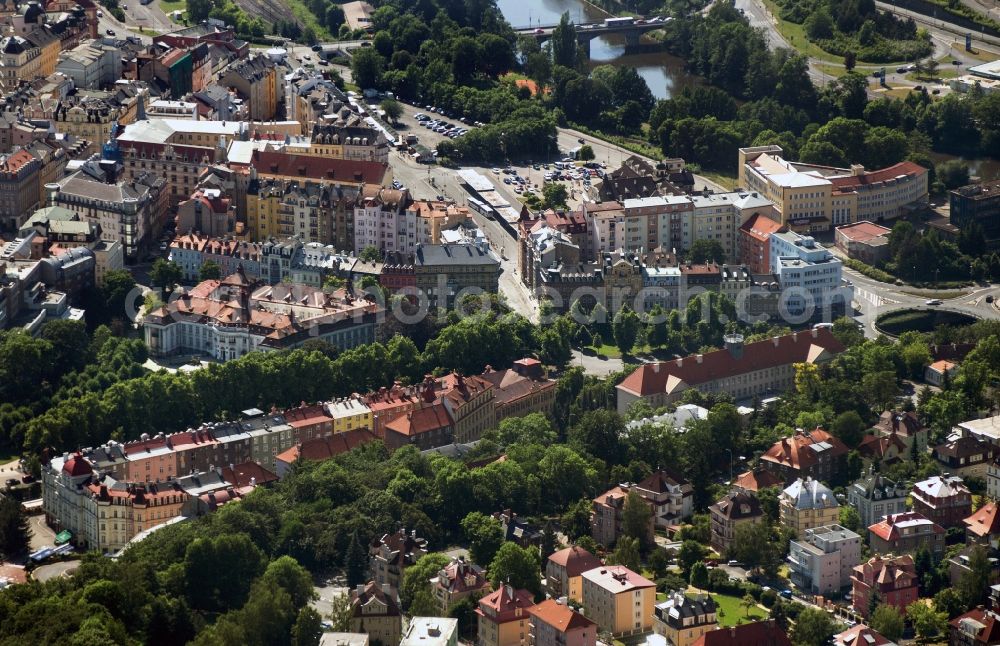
(663, 73)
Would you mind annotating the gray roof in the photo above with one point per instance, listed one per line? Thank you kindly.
(84, 187)
(810, 494)
(453, 254)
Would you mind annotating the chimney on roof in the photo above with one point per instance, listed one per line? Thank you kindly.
(775, 340)
(360, 589)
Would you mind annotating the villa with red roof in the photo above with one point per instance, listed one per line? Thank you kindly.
(942, 369)
(757, 479)
(816, 454)
(906, 425)
(564, 569)
(504, 617)
(893, 579)
(978, 627)
(983, 526)
(905, 533)
(741, 371)
(555, 623)
(457, 580)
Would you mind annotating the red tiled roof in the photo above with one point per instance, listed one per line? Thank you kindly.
(15, 161)
(849, 182)
(737, 505)
(862, 231)
(904, 423)
(860, 635)
(888, 529)
(422, 420)
(985, 522)
(77, 465)
(757, 479)
(761, 227)
(507, 599)
(989, 634)
(758, 633)
(560, 617)
(668, 376)
(795, 451)
(240, 475)
(875, 446)
(278, 163)
(372, 591)
(575, 560)
(324, 448)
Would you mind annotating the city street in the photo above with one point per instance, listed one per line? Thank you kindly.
(874, 298)
(942, 36)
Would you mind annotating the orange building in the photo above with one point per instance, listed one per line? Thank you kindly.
(503, 617)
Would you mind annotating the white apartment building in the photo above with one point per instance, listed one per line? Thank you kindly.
(822, 560)
(382, 220)
(91, 64)
(675, 222)
(810, 276)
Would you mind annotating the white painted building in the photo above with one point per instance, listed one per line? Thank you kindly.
(821, 561)
(810, 276)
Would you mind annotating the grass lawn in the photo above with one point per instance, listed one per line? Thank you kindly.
(732, 612)
(942, 294)
(610, 351)
(173, 5)
(796, 37)
(727, 182)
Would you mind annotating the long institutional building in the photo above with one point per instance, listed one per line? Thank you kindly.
(229, 318)
(811, 198)
(741, 371)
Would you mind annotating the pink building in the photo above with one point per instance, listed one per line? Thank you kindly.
(554, 623)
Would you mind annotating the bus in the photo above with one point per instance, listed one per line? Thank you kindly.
(619, 22)
(480, 207)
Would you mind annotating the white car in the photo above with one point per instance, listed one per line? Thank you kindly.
(933, 301)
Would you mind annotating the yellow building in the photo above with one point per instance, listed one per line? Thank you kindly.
(433, 217)
(257, 80)
(618, 599)
(310, 197)
(809, 197)
(20, 60)
(564, 569)
(682, 619)
(807, 504)
(92, 118)
(349, 414)
(503, 617)
(49, 47)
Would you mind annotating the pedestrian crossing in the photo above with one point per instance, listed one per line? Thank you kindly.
(874, 299)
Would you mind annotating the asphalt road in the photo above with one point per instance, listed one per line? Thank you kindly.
(942, 38)
(53, 570)
(874, 298)
(148, 16)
